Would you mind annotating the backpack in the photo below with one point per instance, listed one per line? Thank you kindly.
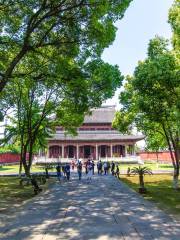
(99, 165)
(79, 167)
(67, 169)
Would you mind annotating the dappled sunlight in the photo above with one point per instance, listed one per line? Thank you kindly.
(102, 209)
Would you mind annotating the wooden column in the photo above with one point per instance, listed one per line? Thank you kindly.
(77, 151)
(62, 150)
(111, 150)
(96, 151)
(125, 149)
(133, 149)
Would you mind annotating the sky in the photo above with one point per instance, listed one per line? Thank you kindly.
(142, 21)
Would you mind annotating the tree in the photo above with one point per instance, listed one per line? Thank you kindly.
(1, 117)
(151, 98)
(62, 99)
(155, 142)
(39, 30)
(141, 171)
(174, 20)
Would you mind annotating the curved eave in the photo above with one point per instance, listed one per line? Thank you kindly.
(97, 138)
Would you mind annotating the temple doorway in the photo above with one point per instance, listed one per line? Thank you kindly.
(87, 151)
(54, 151)
(71, 152)
(103, 151)
(119, 151)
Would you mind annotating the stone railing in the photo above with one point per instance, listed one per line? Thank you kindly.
(128, 159)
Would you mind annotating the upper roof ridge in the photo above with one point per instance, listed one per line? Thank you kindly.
(103, 114)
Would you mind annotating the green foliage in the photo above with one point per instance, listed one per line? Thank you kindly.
(1, 116)
(62, 99)
(10, 149)
(155, 141)
(174, 20)
(157, 46)
(51, 70)
(123, 121)
(151, 99)
(39, 31)
(141, 171)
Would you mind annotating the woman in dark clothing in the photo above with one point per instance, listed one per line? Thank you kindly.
(79, 170)
(112, 168)
(58, 169)
(117, 171)
(67, 171)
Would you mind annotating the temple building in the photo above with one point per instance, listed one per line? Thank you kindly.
(96, 139)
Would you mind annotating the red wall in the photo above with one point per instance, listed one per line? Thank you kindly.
(9, 157)
(162, 156)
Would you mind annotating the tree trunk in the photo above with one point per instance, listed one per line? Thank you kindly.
(174, 156)
(157, 157)
(175, 178)
(176, 148)
(141, 181)
(20, 167)
(30, 155)
(24, 162)
(176, 171)
(20, 163)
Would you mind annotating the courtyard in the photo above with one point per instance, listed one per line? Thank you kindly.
(104, 208)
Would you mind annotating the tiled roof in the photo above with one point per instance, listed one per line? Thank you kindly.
(96, 136)
(101, 115)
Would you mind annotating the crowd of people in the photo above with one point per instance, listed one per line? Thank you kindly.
(103, 168)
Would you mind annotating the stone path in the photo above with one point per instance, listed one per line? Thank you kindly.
(104, 209)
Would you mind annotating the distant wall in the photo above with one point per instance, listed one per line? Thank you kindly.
(9, 157)
(152, 156)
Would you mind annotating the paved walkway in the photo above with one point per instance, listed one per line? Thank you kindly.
(105, 209)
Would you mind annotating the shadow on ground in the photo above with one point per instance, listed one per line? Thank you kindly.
(103, 209)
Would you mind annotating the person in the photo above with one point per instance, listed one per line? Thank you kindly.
(99, 167)
(117, 171)
(128, 171)
(90, 170)
(79, 169)
(73, 164)
(108, 166)
(93, 165)
(67, 171)
(63, 171)
(105, 166)
(58, 169)
(86, 168)
(112, 168)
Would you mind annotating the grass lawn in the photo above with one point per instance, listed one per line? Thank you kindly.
(160, 191)
(153, 166)
(15, 169)
(12, 194)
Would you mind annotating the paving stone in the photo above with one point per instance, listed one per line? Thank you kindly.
(105, 209)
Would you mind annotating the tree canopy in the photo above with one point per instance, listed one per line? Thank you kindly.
(151, 98)
(51, 71)
(37, 107)
(36, 32)
(174, 20)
